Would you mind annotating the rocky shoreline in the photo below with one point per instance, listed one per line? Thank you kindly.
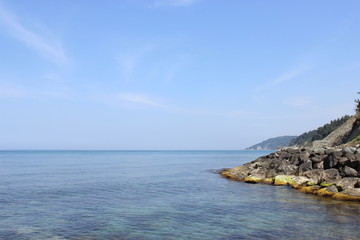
(330, 172)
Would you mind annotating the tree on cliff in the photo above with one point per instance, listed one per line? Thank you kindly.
(357, 102)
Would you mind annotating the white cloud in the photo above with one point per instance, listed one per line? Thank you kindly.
(49, 49)
(129, 61)
(173, 3)
(127, 65)
(138, 99)
(289, 75)
(284, 77)
(9, 91)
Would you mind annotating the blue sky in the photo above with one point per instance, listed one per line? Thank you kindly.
(173, 74)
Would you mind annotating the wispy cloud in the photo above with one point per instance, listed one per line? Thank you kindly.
(127, 65)
(298, 102)
(286, 76)
(52, 50)
(173, 3)
(138, 99)
(289, 75)
(129, 61)
(10, 91)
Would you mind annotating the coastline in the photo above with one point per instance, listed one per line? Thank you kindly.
(330, 172)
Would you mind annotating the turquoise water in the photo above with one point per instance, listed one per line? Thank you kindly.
(156, 195)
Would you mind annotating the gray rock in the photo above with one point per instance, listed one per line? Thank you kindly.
(331, 160)
(317, 159)
(293, 150)
(314, 175)
(342, 161)
(352, 192)
(318, 165)
(304, 167)
(348, 172)
(319, 151)
(350, 156)
(349, 150)
(328, 151)
(353, 163)
(330, 175)
(347, 182)
(332, 188)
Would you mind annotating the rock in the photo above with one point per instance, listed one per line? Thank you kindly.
(350, 156)
(267, 181)
(345, 197)
(348, 172)
(317, 159)
(347, 182)
(309, 189)
(283, 180)
(285, 168)
(239, 173)
(252, 179)
(327, 172)
(332, 188)
(328, 151)
(319, 151)
(342, 161)
(293, 150)
(318, 165)
(326, 184)
(284, 155)
(352, 192)
(353, 163)
(298, 181)
(326, 192)
(330, 175)
(349, 150)
(314, 176)
(331, 160)
(305, 166)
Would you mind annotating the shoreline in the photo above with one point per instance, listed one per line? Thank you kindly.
(330, 172)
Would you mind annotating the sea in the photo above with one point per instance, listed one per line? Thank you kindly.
(156, 195)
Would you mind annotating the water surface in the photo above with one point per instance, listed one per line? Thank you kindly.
(156, 195)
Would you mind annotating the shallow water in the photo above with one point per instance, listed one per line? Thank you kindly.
(156, 195)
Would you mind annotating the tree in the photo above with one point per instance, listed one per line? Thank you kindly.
(357, 104)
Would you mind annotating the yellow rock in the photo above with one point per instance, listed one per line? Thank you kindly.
(252, 179)
(308, 189)
(345, 197)
(281, 180)
(267, 180)
(322, 192)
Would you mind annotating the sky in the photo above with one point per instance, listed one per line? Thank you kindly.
(173, 74)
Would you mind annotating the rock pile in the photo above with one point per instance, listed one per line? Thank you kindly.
(329, 172)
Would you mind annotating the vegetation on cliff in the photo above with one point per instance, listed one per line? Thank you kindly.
(307, 138)
(357, 105)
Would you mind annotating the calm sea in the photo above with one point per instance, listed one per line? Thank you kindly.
(156, 195)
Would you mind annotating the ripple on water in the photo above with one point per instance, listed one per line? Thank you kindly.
(156, 195)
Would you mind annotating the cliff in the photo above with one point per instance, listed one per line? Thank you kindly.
(330, 167)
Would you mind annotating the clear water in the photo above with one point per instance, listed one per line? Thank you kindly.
(156, 195)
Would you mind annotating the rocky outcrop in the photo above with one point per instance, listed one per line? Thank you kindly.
(328, 172)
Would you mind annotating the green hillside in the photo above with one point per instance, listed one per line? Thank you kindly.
(272, 143)
(307, 138)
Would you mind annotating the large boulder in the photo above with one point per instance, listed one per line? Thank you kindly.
(347, 182)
